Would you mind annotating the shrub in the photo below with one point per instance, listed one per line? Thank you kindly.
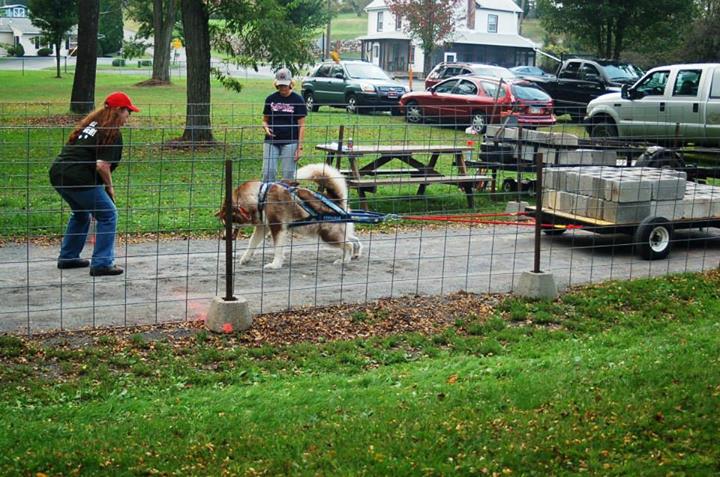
(16, 50)
(44, 52)
(118, 62)
(146, 62)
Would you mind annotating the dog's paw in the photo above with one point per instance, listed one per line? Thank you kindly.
(340, 261)
(273, 266)
(244, 260)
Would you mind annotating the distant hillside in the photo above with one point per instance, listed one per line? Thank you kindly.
(348, 26)
(532, 29)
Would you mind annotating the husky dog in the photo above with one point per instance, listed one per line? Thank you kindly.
(273, 207)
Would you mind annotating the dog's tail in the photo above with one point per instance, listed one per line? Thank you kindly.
(328, 177)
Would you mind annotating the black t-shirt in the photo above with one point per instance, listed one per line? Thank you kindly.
(284, 113)
(75, 166)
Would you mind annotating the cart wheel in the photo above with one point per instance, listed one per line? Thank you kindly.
(528, 187)
(653, 238)
(509, 185)
(554, 232)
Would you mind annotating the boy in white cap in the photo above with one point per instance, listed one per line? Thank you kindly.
(284, 124)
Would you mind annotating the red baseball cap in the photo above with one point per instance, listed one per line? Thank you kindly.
(119, 99)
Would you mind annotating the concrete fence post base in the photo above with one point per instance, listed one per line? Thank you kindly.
(537, 285)
(228, 316)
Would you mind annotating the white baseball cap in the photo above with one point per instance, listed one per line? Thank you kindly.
(283, 77)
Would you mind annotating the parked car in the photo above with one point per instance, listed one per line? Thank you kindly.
(578, 81)
(670, 103)
(444, 71)
(531, 73)
(357, 86)
(477, 101)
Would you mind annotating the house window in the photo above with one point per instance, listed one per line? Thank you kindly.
(379, 21)
(18, 12)
(492, 23)
(37, 42)
(398, 22)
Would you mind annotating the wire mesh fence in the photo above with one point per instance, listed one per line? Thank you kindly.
(441, 187)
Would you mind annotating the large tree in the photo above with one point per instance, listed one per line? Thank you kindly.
(604, 26)
(157, 18)
(430, 22)
(702, 42)
(82, 99)
(55, 18)
(195, 18)
(273, 32)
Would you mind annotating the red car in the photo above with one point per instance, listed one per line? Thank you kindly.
(478, 101)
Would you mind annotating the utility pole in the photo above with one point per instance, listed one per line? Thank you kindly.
(327, 32)
(522, 16)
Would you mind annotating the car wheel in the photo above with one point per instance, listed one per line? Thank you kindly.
(413, 113)
(653, 238)
(603, 128)
(310, 102)
(479, 122)
(351, 104)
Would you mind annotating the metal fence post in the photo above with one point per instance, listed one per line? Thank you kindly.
(538, 209)
(228, 233)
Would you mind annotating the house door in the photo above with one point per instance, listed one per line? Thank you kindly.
(450, 57)
(376, 54)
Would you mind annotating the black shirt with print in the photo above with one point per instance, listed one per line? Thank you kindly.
(284, 113)
(75, 166)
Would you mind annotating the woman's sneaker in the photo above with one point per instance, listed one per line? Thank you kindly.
(100, 271)
(64, 263)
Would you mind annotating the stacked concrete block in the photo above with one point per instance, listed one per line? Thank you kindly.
(628, 195)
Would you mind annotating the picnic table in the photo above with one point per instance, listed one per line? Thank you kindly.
(417, 172)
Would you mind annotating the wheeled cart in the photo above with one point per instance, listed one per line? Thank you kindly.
(652, 237)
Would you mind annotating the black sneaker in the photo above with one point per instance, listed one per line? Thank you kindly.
(100, 271)
(64, 263)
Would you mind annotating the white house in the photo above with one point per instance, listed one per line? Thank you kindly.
(486, 31)
(16, 28)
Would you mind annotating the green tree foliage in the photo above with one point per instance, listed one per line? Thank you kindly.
(428, 21)
(55, 18)
(608, 27)
(110, 26)
(158, 18)
(702, 43)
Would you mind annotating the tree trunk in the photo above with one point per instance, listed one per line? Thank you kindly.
(57, 56)
(427, 60)
(197, 47)
(163, 23)
(82, 100)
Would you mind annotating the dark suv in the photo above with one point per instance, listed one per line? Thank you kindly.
(357, 86)
(444, 71)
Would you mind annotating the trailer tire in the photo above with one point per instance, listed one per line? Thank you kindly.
(509, 185)
(554, 232)
(653, 238)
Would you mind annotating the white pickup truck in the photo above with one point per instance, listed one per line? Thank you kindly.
(677, 103)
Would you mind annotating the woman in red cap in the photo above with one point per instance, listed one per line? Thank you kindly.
(82, 175)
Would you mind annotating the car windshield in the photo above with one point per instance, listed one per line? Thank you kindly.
(365, 71)
(529, 92)
(493, 72)
(622, 72)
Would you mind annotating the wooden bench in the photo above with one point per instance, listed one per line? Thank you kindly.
(465, 182)
(384, 172)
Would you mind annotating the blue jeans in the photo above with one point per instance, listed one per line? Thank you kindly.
(274, 152)
(83, 203)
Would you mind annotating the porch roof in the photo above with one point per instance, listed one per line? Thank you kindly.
(492, 39)
(386, 35)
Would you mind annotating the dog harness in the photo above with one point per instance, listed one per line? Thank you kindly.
(338, 215)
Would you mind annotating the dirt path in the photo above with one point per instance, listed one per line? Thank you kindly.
(175, 280)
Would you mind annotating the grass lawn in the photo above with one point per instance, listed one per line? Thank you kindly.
(162, 189)
(617, 379)
(348, 26)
